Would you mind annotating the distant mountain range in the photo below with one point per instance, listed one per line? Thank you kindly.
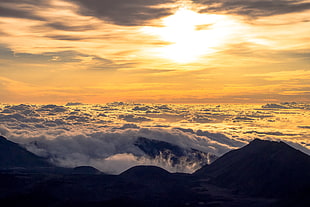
(173, 154)
(263, 173)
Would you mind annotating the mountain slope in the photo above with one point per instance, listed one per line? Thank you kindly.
(174, 154)
(13, 155)
(262, 168)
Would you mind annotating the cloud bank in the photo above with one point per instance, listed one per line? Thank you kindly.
(104, 136)
(129, 13)
(114, 151)
(254, 8)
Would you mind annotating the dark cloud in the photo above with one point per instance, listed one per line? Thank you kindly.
(129, 12)
(271, 133)
(105, 64)
(21, 8)
(66, 27)
(48, 57)
(132, 118)
(67, 56)
(128, 126)
(254, 8)
(65, 37)
(7, 12)
(24, 1)
(5, 53)
(299, 54)
(304, 127)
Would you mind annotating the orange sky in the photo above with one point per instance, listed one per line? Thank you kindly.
(199, 51)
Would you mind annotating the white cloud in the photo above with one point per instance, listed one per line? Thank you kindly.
(107, 142)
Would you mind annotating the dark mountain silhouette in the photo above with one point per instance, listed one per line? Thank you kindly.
(15, 158)
(86, 170)
(260, 174)
(173, 153)
(145, 172)
(262, 168)
(13, 155)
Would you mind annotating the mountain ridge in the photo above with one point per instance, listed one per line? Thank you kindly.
(173, 154)
(263, 173)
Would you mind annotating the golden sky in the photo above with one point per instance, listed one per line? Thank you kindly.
(167, 51)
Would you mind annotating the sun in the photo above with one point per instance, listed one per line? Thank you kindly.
(191, 35)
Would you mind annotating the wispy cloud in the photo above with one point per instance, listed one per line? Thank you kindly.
(254, 8)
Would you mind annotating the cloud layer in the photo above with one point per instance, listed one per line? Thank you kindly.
(104, 136)
(255, 8)
(129, 13)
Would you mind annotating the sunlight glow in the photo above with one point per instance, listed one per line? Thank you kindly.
(192, 35)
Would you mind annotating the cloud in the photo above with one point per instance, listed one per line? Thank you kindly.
(4, 131)
(133, 118)
(20, 107)
(61, 29)
(66, 56)
(128, 126)
(271, 133)
(66, 37)
(128, 13)
(14, 88)
(47, 57)
(254, 8)
(50, 57)
(111, 151)
(304, 127)
(19, 118)
(20, 9)
(285, 76)
(5, 52)
(67, 27)
(221, 138)
(75, 135)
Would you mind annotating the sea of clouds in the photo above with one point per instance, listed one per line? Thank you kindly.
(103, 136)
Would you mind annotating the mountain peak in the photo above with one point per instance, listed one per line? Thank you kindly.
(145, 170)
(86, 170)
(262, 168)
(267, 148)
(265, 142)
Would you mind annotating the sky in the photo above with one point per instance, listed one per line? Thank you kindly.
(154, 51)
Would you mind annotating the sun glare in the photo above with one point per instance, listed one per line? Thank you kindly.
(191, 35)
